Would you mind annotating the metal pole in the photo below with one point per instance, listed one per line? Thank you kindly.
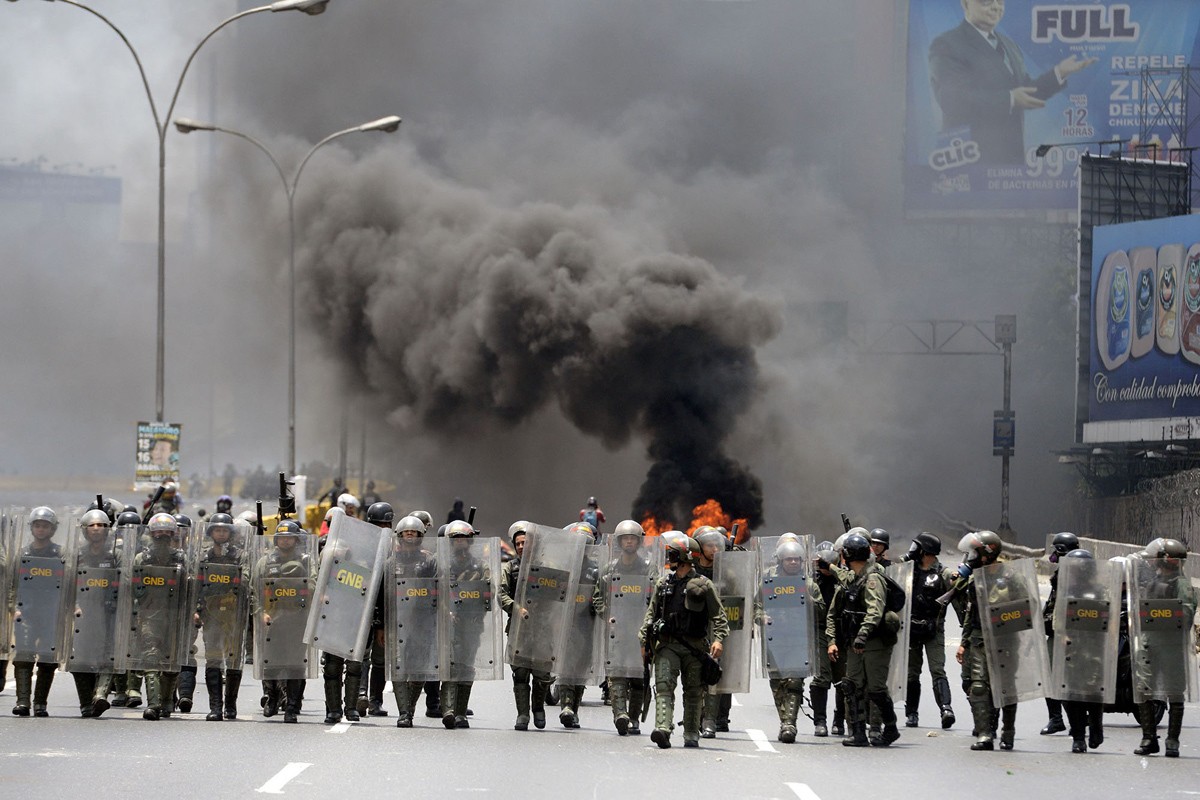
(362, 462)
(1004, 461)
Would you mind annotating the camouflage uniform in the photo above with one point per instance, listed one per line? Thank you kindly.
(684, 617)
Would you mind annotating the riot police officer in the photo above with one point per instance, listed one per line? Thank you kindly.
(462, 567)
(858, 614)
(685, 618)
(1060, 545)
(370, 691)
(98, 559)
(285, 561)
(581, 621)
(628, 572)
(37, 593)
(829, 673)
(221, 613)
(980, 549)
(927, 631)
(1164, 660)
(529, 686)
(158, 625)
(881, 540)
(411, 563)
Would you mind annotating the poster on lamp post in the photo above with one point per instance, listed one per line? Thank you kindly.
(157, 454)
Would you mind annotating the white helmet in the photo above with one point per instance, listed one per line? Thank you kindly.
(346, 500)
(410, 523)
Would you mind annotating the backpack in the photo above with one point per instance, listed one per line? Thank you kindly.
(592, 518)
(896, 598)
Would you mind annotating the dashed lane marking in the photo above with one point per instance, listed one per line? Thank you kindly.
(341, 727)
(276, 784)
(802, 791)
(760, 739)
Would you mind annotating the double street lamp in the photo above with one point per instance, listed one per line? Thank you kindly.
(386, 125)
(310, 7)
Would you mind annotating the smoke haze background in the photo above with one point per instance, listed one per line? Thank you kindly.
(469, 285)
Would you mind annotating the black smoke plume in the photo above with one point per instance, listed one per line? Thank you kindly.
(462, 315)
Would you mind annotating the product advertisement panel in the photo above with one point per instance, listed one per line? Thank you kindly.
(1145, 331)
(990, 81)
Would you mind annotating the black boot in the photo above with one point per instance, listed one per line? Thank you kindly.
(333, 701)
(1008, 730)
(1147, 712)
(233, 682)
(912, 702)
(352, 682)
(23, 676)
(1174, 727)
(187, 688)
(1055, 725)
(981, 710)
(941, 691)
(41, 689)
(887, 714)
(819, 698)
(375, 692)
(212, 682)
(856, 718)
(1095, 717)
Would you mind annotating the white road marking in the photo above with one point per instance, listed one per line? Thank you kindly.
(733, 700)
(276, 784)
(341, 727)
(802, 791)
(760, 739)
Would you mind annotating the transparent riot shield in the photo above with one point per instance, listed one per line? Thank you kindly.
(469, 624)
(1162, 608)
(582, 651)
(8, 547)
(151, 609)
(735, 576)
(1013, 635)
(281, 584)
(93, 593)
(411, 609)
(39, 578)
(347, 585)
(1087, 620)
(898, 666)
(546, 584)
(785, 608)
(222, 603)
(626, 586)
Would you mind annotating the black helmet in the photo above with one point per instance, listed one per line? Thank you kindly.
(183, 521)
(224, 503)
(1079, 552)
(928, 543)
(219, 520)
(1061, 544)
(126, 518)
(880, 536)
(288, 527)
(381, 514)
(856, 547)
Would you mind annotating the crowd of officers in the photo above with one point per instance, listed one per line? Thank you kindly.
(132, 600)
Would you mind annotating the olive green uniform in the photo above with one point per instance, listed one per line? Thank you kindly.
(857, 614)
(684, 617)
(529, 686)
(624, 693)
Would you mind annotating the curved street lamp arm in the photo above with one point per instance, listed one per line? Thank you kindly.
(141, 70)
(192, 57)
(315, 148)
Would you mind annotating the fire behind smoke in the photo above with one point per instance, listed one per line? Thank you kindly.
(707, 513)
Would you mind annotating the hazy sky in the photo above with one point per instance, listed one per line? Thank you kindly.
(594, 234)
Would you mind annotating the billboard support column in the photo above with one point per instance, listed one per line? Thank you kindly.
(1006, 335)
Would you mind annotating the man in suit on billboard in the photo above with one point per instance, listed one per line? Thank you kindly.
(980, 82)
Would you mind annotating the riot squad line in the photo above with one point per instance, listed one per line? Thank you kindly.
(118, 600)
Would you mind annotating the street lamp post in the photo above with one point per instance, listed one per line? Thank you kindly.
(384, 124)
(310, 7)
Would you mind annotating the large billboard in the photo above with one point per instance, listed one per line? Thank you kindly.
(989, 81)
(1145, 332)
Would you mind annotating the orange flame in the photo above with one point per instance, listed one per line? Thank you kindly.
(707, 513)
(653, 527)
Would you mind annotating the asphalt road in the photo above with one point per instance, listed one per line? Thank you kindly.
(121, 754)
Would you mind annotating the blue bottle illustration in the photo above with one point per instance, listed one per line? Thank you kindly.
(1142, 262)
(1114, 316)
(1189, 310)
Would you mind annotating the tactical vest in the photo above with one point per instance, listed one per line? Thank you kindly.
(679, 620)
